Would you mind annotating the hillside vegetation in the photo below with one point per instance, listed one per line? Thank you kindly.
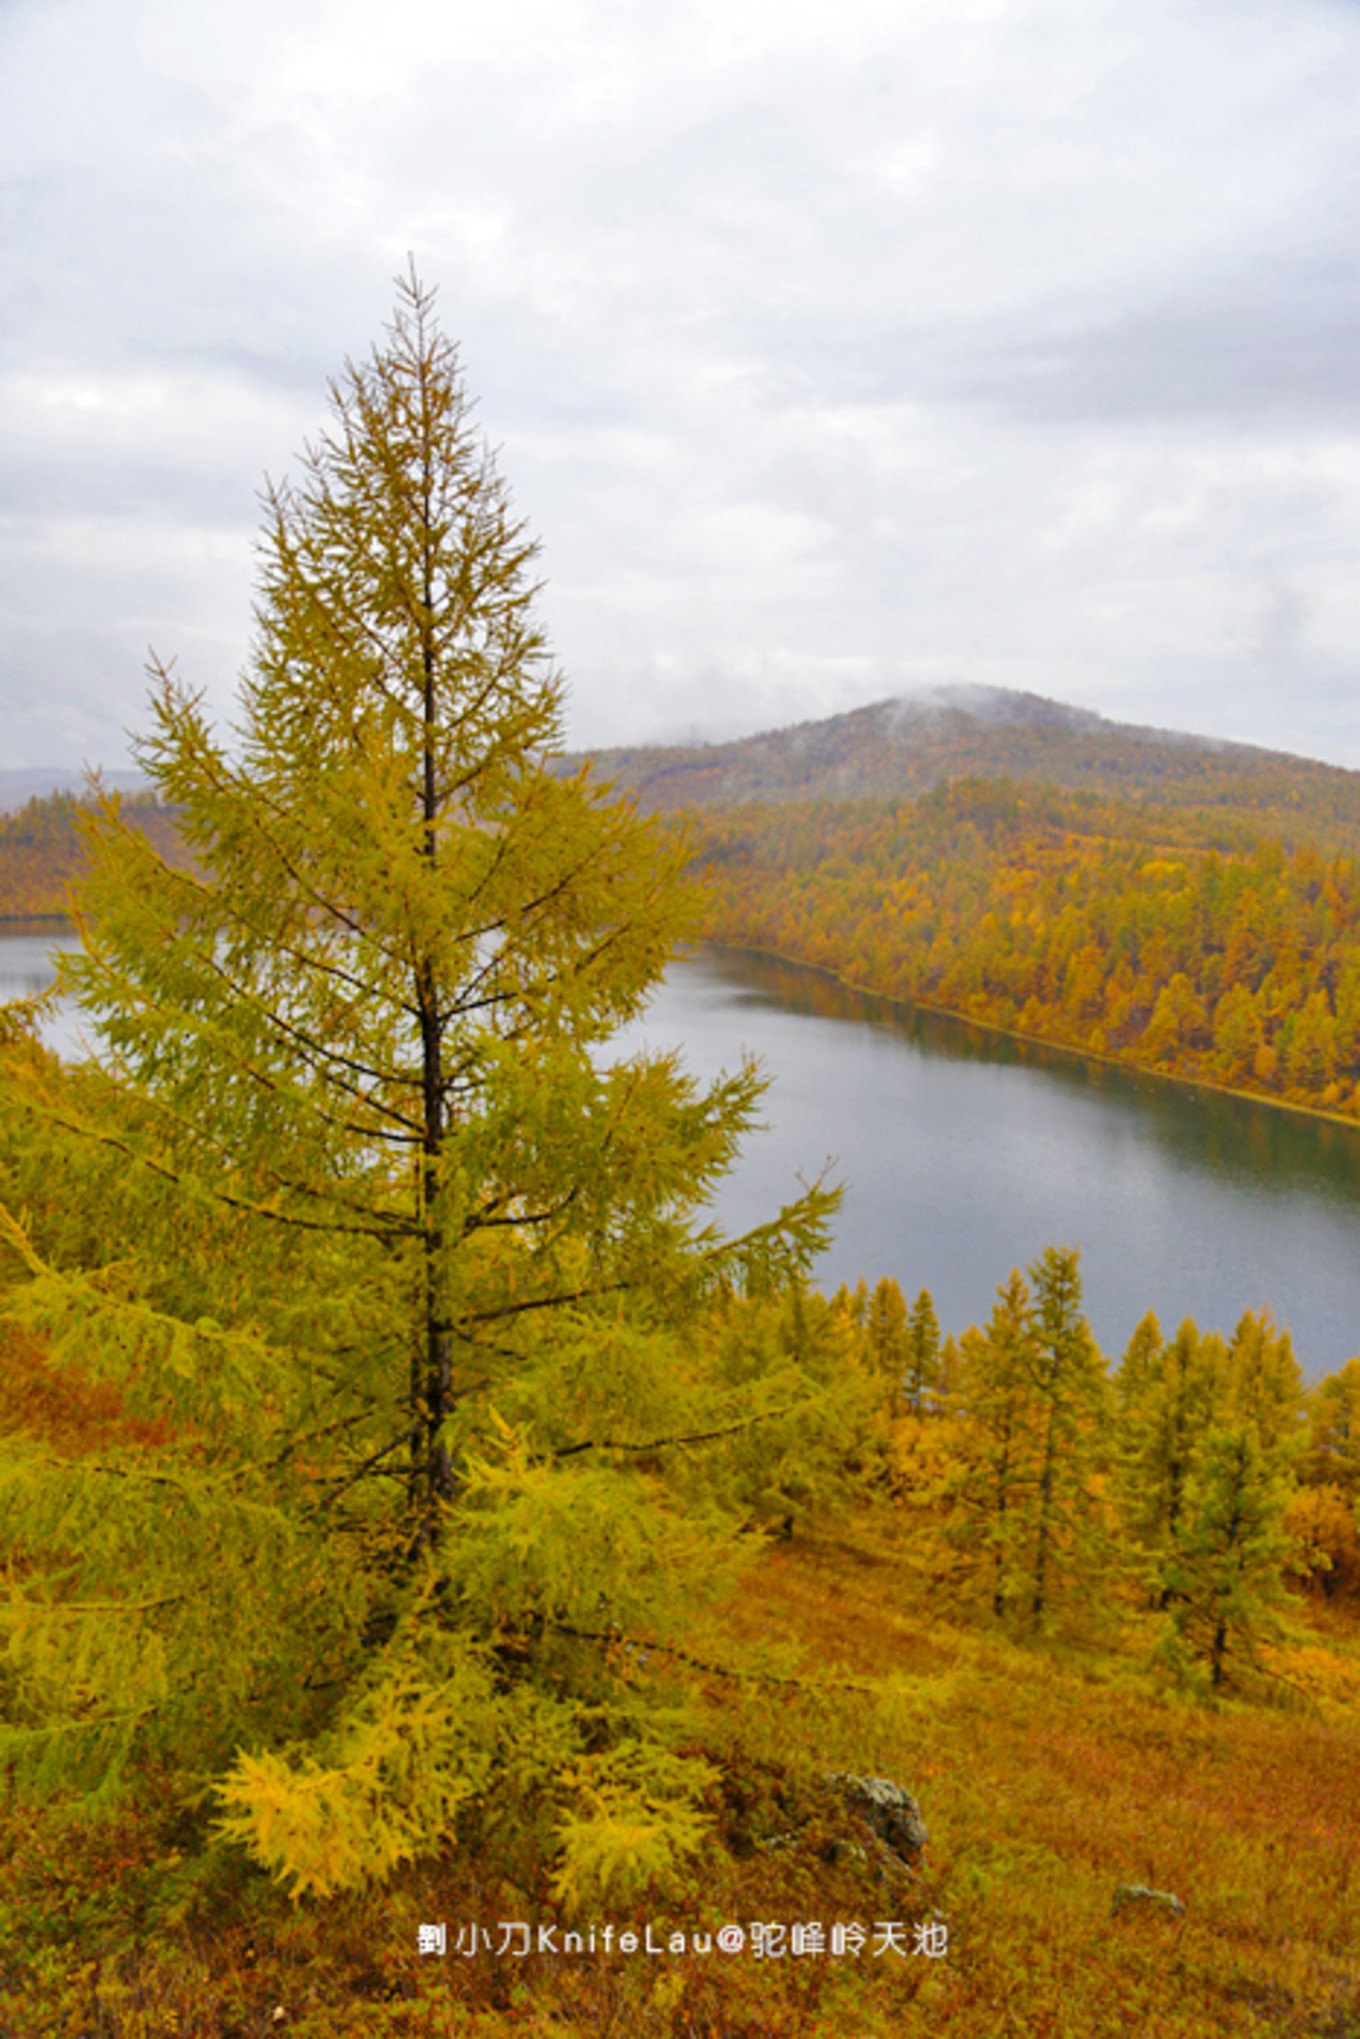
(1127, 1664)
(903, 748)
(1185, 906)
(1116, 929)
(1200, 924)
(43, 853)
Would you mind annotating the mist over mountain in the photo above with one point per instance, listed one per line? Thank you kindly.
(908, 745)
(901, 747)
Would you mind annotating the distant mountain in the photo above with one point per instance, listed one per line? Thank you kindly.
(907, 746)
(37, 781)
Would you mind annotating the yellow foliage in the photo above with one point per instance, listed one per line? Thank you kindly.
(637, 1820)
(413, 1750)
(1322, 1521)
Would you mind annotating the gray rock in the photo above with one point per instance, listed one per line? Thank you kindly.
(886, 1808)
(1139, 1896)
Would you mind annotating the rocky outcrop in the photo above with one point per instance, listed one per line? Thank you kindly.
(886, 1809)
(1137, 1897)
(867, 1824)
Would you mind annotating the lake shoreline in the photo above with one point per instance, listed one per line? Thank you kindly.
(1127, 1068)
(19, 924)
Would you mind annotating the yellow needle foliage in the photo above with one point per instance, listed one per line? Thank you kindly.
(408, 1286)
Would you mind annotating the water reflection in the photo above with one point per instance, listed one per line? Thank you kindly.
(967, 1152)
(26, 948)
(1200, 1128)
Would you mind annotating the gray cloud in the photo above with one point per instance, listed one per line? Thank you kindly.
(830, 350)
(1280, 350)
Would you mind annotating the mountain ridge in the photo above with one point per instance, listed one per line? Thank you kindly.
(901, 747)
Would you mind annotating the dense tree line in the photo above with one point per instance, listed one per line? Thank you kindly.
(1111, 929)
(43, 851)
(1197, 1481)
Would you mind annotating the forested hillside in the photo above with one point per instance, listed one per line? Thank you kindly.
(42, 853)
(896, 748)
(1183, 905)
(1114, 928)
(1186, 936)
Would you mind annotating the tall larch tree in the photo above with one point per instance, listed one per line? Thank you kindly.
(1224, 1572)
(1221, 1575)
(885, 1323)
(1168, 1394)
(410, 1276)
(992, 1488)
(1070, 1394)
(924, 1357)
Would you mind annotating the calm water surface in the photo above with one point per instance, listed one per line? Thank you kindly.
(26, 966)
(965, 1154)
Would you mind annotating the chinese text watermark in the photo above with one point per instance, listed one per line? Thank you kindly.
(761, 1940)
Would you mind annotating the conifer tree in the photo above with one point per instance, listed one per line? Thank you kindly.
(1224, 1573)
(1263, 1385)
(1033, 1392)
(904, 1343)
(1069, 1388)
(922, 1373)
(1208, 1437)
(1333, 1453)
(407, 1280)
(994, 1483)
(1168, 1396)
(886, 1328)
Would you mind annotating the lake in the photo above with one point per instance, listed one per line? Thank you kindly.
(965, 1153)
(25, 967)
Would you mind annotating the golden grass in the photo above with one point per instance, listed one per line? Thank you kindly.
(1048, 1777)
(1051, 1778)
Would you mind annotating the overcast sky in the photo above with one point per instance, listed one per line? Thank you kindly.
(833, 350)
